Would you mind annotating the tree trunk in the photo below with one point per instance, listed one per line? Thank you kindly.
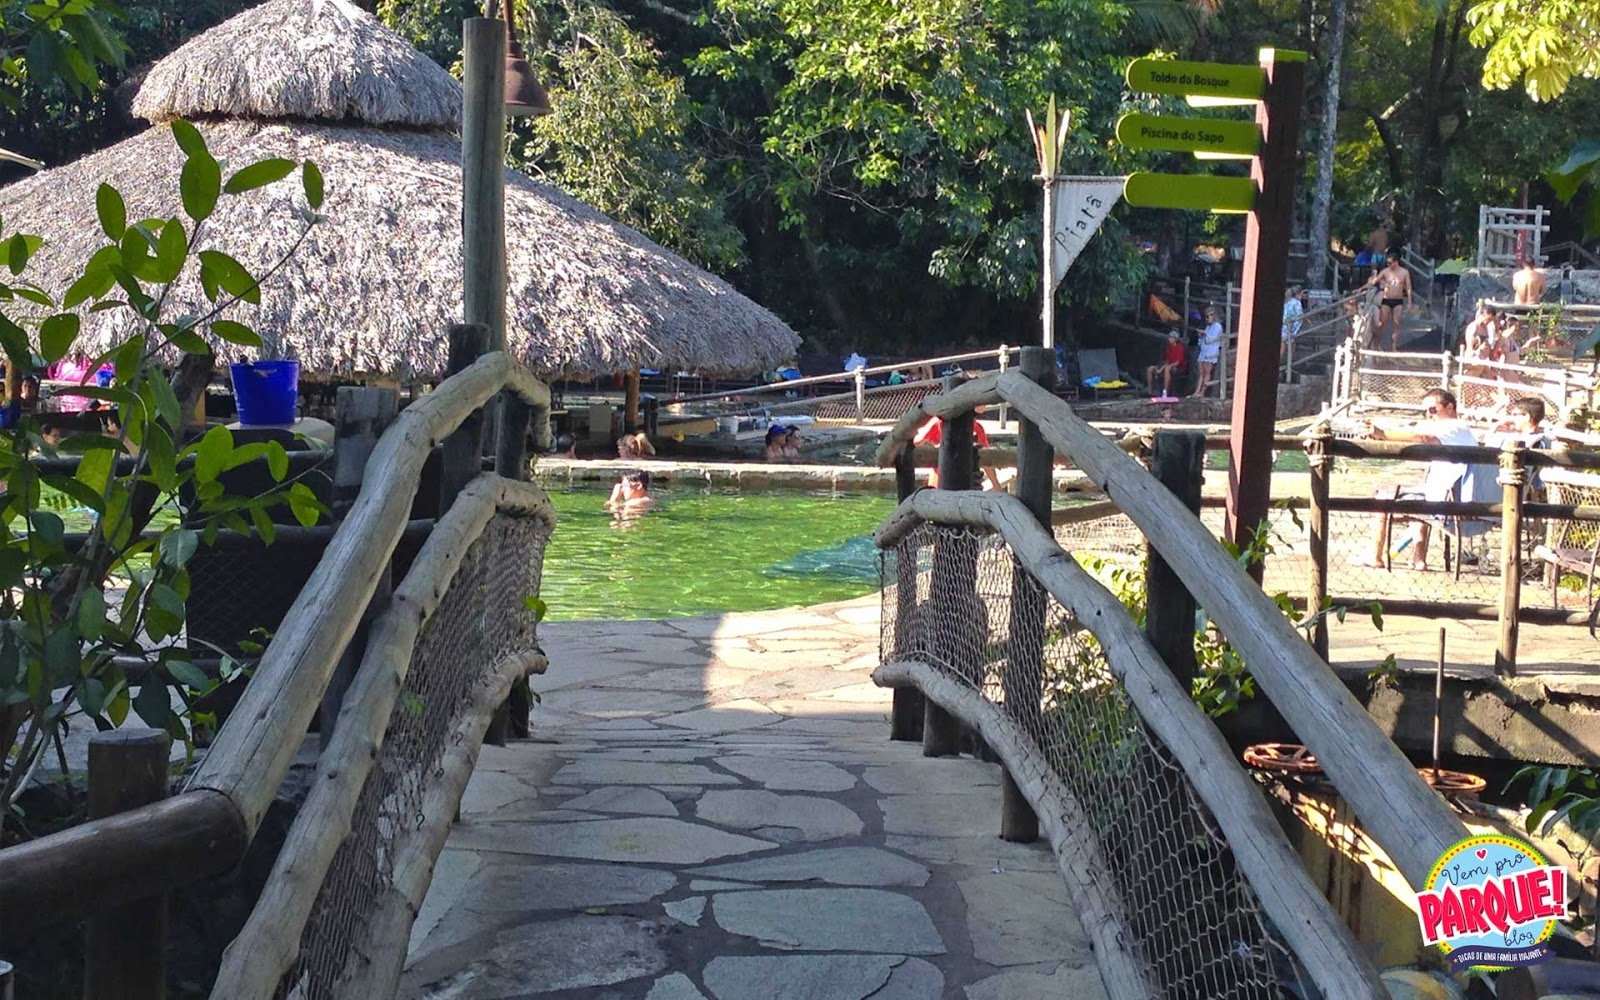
(1327, 142)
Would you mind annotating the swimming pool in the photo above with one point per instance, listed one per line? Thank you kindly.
(710, 550)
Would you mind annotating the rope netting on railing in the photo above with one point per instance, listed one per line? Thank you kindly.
(481, 621)
(1152, 854)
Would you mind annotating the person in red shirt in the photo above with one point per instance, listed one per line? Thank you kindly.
(932, 432)
(1173, 358)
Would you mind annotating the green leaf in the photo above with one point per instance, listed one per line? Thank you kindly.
(277, 461)
(235, 333)
(200, 184)
(229, 275)
(178, 546)
(536, 604)
(311, 182)
(189, 138)
(304, 504)
(258, 175)
(187, 341)
(117, 706)
(1581, 165)
(18, 249)
(14, 340)
(160, 455)
(264, 526)
(172, 249)
(94, 469)
(92, 614)
(56, 335)
(153, 703)
(166, 405)
(189, 675)
(62, 657)
(12, 564)
(113, 212)
(93, 284)
(211, 457)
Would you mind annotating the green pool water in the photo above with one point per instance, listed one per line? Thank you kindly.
(707, 551)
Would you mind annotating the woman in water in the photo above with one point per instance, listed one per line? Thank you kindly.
(774, 449)
(635, 446)
(631, 496)
(791, 444)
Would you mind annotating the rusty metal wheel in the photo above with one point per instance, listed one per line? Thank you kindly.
(1283, 758)
(1453, 782)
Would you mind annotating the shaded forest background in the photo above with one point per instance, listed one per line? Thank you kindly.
(862, 167)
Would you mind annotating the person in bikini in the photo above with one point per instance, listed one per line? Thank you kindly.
(1394, 289)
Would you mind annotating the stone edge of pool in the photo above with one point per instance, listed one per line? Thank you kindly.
(799, 476)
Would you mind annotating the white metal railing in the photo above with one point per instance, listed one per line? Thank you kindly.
(1366, 379)
(1504, 232)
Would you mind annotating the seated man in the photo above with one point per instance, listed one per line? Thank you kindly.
(1173, 358)
(1438, 481)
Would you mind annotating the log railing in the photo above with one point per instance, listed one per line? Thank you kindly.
(1407, 818)
(206, 829)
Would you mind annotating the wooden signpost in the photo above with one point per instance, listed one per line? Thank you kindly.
(1276, 87)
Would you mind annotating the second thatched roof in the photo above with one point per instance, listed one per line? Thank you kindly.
(379, 280)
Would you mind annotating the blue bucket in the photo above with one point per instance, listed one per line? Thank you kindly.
(266, 392)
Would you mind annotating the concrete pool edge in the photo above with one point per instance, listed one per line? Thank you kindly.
(847, 478)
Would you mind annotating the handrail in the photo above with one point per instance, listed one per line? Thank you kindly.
(1408, 818)
(267, 945)
(1297, 909)
(845, 376)
(224, 802)
(255, 747)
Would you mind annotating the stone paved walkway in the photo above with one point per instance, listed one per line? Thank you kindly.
(711, 807)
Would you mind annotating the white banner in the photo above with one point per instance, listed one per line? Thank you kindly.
(1082, 204)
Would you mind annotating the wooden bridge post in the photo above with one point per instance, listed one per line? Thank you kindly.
(511, 462)
(462, 458)
(1513, 474)
(361, 415)
(905, 718)
(125, 945)
(1024, 677)
(941, 732)
(1178, 461)
(1320, 459)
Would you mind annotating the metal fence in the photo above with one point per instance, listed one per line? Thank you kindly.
(1395, 381)
(1179, 902)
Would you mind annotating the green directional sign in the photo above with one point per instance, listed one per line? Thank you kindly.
(1197, 79)
(1188, 135)
(1197, 192)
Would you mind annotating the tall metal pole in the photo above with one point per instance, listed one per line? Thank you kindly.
(483, 154)
(1255, 381)
(1047, 256)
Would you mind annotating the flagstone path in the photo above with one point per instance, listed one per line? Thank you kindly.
(711, 808)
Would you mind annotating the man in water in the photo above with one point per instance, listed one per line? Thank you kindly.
(1394, 290)
(631, 497)
(1527, 285)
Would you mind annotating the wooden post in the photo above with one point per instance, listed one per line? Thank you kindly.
(483, 156)
(1255, 397)
(1005, 363)
(361, 414)
(861, 396)
(1023, 680)
(463, 450)
(941, 732)
(1513, 475)
(1177, 459)
(905, 718)
(1321, 462)
(511, 462)
(125, 946)
(630, 400)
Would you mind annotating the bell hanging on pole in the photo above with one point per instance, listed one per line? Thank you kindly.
(524, 95)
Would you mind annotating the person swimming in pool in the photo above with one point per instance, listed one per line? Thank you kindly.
(777, 434)
(631, 497)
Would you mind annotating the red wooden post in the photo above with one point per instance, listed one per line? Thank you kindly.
(1266, 259)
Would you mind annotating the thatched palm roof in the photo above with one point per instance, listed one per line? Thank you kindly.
(378, 282)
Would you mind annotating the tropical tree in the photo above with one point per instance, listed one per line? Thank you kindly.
(1543, 43)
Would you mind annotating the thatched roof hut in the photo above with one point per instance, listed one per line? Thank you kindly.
(376, 284)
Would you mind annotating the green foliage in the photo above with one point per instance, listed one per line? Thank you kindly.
(73, 613)
(619, 137)
(1561, 793)
(1543, 43)
(67, 41)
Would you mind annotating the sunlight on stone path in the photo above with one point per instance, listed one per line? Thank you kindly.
(711, 808)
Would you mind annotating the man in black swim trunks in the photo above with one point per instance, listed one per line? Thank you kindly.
(1394, 287)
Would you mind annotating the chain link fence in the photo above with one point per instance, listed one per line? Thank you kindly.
(480, 621)
(1161, 865)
